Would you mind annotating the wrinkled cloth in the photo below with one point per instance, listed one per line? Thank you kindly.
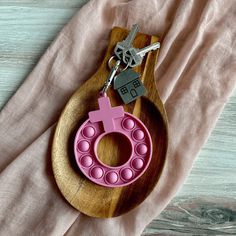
(195, 76)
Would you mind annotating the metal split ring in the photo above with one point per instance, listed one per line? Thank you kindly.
(110, 64)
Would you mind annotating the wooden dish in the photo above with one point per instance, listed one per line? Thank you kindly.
(89, 198)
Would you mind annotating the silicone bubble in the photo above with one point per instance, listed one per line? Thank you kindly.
(113, 119)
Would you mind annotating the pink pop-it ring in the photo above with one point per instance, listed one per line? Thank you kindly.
(114, 119)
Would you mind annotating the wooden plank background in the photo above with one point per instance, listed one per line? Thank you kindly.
(206, 205)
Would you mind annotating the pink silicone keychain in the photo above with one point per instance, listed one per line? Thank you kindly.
(113, 119)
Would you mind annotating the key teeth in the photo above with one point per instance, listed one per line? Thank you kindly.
(135, 26)
(158, 45)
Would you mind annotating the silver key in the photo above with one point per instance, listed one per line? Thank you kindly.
(122, 47)
(135, 56)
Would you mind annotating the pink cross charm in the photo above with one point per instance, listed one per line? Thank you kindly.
(106, 114)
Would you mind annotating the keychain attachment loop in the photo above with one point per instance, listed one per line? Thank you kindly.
(110, 78)
(113, 58)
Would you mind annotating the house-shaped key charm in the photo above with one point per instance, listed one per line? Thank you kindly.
(129, 86)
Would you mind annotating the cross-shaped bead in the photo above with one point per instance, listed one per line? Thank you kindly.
(106, 114)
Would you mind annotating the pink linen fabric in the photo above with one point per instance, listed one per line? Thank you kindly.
(195, 76)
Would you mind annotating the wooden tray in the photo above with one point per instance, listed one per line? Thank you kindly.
(89, 198)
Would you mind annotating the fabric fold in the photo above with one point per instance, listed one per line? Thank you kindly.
(195, 75)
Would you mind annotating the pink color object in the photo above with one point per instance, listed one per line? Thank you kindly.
(127, 174)
(142, 149)
(128, 124)
(138, 134)
(82, 146)
(96, 173)
(88, 132)
(106, 114)
(194, 79)
(137, 163)
(112, 177)
(120, 122)
(86, 161)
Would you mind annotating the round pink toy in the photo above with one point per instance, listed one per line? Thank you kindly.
(104, 121)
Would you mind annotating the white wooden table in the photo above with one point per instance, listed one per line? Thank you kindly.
(206, 205)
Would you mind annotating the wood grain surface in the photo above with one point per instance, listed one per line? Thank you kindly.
(206, 203)
(77, 189)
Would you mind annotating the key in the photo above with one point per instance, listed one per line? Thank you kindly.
(135, 56)
(125, 45)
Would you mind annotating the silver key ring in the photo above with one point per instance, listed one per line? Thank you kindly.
(110, 64)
